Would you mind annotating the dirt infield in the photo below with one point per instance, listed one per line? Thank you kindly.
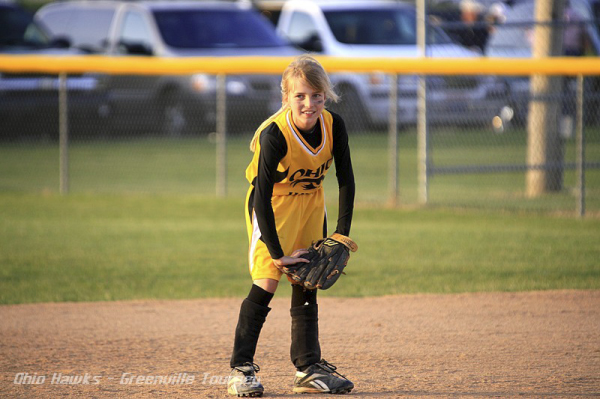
(536, 344)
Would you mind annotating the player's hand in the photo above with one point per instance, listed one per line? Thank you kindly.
(292, 259)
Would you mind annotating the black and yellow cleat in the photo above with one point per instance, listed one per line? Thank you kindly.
(321, 377)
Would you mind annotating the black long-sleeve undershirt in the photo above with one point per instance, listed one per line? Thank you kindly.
(273, 149)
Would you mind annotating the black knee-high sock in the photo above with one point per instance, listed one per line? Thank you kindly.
(260, 296)
(253, 313)
(305, 349)
(302, 296)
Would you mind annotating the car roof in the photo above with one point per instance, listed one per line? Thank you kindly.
(174, 5)
(154, 5)
(330, 5)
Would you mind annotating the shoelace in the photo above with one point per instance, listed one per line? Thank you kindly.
(255, 368)
(328, 367)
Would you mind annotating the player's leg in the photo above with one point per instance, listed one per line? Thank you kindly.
(267, 284)
(255, 307)
(305, 348)
(265, 276)
(252, 316)
(313, 374)
(253, 313)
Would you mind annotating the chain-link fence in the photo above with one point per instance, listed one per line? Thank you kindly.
(480, 152)
(534, 161)
(488, 141)
(540, 152)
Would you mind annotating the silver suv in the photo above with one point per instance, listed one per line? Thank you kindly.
(380, 28)
(174, 104)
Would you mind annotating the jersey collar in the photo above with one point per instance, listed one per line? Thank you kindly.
(303, 143)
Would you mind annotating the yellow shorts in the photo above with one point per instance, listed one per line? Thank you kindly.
(299, 219)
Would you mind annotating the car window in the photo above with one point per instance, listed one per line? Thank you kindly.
(301, 27)
(55, 21)
(135, 29)
(377, 27)
(215, 29)
(86, 28)
(18, 29)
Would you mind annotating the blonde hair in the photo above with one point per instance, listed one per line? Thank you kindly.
(307, 68)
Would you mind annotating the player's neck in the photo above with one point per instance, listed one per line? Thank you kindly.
(308, 131)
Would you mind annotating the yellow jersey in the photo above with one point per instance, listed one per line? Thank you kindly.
(303, 168)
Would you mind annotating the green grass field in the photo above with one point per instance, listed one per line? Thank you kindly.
(188, 166)
(111, 247)
(142, 221)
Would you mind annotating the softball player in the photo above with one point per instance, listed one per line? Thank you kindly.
(285, 212)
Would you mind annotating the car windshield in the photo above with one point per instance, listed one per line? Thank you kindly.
(378, 27)
(215, 29)
(18, 29)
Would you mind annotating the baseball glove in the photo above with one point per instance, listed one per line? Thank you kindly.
(328, 257)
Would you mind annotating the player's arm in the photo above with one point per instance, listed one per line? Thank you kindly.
(273, 148)
(345, 175)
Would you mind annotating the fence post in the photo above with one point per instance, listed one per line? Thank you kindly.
(422, 125)
(63, 134)
(545, 148)
(393, 142)
(221, 126)
(423, 142)
(580, 138)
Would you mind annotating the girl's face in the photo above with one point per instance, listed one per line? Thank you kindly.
(306, 104)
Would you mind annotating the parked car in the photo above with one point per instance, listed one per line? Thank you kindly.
(381, 28)
(513, 39)
(29, 102)
(174, 29)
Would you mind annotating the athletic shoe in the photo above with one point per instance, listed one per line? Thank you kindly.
(321, 378)
(243, 381)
